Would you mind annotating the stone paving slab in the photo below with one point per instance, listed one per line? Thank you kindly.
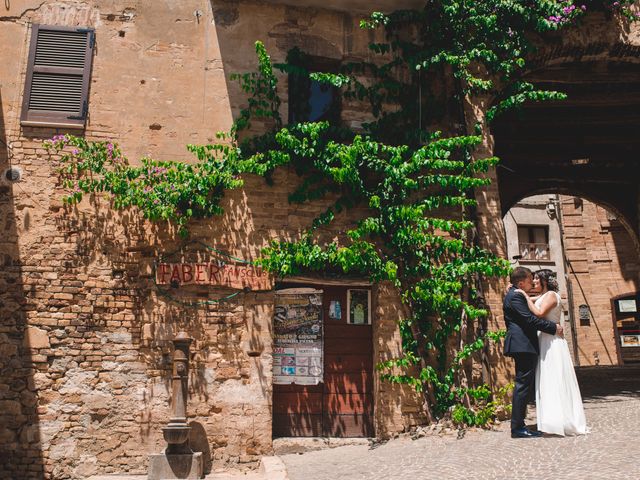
(609, 452)
(287, 445)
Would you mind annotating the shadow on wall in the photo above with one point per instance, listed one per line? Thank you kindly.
(395, 404)
(132, 322)
(627, 254)
(299, 29)
(199, 443)
(623, 264)
(20, 428)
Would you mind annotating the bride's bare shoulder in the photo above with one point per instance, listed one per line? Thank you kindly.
(555, 297)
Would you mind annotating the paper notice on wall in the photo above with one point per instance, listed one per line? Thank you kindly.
(630, 340)
(297, 332)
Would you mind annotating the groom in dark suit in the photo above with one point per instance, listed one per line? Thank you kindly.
(521, 343)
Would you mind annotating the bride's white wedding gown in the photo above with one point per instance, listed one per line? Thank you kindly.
(558, 401)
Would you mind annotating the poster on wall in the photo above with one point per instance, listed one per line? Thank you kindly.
(297, 337)
(630, 340)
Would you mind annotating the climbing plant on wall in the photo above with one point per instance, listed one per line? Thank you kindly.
(410, 172)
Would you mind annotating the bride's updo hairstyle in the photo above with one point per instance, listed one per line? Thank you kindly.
(548, 278)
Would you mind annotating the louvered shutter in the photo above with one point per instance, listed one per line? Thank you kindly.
(57, 84)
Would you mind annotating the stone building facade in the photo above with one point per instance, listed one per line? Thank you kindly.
(85, 335)
(85, 329)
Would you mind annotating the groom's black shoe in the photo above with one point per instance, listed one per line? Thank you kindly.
(525, 433)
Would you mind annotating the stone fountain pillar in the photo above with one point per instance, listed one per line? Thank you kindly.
(178, 460)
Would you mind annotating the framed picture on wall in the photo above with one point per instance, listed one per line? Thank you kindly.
(630, 340)
(359, 306)
(627, 305)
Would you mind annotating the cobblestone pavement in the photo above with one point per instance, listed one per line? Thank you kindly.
(612, 405)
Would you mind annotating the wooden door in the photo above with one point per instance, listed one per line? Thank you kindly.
(348, 372)
(342, 405)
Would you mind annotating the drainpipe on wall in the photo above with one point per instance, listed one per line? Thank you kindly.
(567, 277)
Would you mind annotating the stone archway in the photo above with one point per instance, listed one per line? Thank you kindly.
(595, 260)
(514, 191)
(585, 145)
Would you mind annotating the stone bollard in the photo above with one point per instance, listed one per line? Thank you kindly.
(178, 460)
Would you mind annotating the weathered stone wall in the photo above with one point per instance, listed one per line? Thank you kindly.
(604, 264)
(84, 339)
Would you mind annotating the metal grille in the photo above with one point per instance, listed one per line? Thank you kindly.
(56, 92)
(61, 49)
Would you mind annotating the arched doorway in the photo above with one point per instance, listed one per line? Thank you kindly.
(585, 145)
(597, 266)
(579, 156)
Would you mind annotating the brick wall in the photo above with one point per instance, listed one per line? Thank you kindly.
(604, 264)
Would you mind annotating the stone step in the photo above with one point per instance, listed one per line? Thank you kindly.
(271, 468)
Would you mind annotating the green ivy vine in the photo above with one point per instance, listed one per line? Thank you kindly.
(410, 173)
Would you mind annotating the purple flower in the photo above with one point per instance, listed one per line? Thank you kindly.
(158, 171)
(60, 139)
(75, 151)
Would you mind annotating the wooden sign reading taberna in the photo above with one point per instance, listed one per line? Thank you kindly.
(212, 268)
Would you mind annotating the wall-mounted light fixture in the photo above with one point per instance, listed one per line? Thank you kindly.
(12, 175)
(551, 207)
(580, 161)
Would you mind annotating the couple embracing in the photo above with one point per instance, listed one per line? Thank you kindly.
(543, 362)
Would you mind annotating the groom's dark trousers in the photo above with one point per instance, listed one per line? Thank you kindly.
(521, 343)
(525, 386)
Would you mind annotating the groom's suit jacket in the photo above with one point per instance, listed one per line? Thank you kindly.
(522, 325)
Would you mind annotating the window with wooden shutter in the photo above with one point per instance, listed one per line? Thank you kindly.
(57, 85)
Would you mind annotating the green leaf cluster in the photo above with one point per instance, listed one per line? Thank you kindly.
(483, 407)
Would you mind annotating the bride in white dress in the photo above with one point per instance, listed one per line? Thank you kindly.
(558, 401)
